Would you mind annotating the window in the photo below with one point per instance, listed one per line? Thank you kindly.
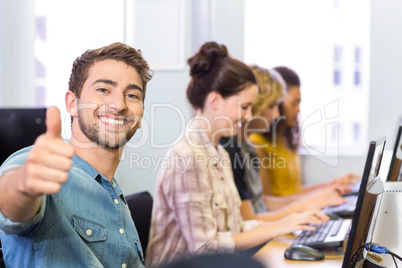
(337, 65)
(357, 72)
(39, 54)
(329, 50)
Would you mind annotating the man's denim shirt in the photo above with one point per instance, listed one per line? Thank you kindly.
(86, 224)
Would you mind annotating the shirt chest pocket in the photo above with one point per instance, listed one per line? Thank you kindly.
(89, 230)
(90, 233)
(220, 211)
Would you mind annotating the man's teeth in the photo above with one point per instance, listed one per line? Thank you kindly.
(111, 121)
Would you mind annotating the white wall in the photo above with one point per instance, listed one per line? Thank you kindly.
(17, 66)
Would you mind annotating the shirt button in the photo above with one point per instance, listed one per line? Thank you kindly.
(121, 231)
(88, 232)
(116, 201)
(123, 265)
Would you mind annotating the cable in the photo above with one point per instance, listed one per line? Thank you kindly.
(354, 257)
(375, 248)
(394, 255)
(396, 265)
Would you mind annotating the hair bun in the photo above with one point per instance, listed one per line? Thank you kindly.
(207, 57)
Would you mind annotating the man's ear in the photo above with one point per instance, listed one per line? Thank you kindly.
(71, 103)
(214, 100)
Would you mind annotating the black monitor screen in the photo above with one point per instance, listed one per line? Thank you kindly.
(364, 206)
(19, 128)
(394, 173)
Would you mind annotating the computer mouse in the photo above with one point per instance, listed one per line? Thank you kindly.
(303, 253)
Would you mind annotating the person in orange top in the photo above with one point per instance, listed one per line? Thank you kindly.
(278, 149)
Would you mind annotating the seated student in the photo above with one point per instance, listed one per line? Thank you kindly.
(280, 146)
(196, 207)
(245, 162)
(60, 203)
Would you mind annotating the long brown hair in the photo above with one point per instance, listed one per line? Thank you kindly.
(291, 134)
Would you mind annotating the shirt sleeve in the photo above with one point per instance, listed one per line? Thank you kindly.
(6, 225)
(189, 193)
(9, 227)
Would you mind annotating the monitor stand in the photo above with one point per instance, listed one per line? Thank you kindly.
(386, 228)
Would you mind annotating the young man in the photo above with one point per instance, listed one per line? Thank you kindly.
(59, 203)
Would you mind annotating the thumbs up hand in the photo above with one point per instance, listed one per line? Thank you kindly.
(49, 160)
(53, 122)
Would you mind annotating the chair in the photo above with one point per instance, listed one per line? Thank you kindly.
(140, 205)
(2, 265)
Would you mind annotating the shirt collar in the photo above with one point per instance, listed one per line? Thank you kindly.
(85, 166)
(91, 171)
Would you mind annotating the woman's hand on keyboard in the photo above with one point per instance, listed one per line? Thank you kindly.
(347, 179)
(298, 221)
(324, 197)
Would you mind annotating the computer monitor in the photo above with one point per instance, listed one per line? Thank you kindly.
(19, 128)
(365, 205)
(394, 173)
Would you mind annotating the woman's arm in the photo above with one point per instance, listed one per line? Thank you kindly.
(248, 213)
(269, 230)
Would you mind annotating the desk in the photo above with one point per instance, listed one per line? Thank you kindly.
(271, 256)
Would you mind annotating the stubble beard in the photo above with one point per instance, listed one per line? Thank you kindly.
(91, 131)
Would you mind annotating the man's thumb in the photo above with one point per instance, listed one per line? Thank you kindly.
(53, 122)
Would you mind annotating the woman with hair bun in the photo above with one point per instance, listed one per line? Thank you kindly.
(196, 207)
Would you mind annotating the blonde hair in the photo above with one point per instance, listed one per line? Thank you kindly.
(270, 88)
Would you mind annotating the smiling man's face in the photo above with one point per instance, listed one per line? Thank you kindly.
(110, 107)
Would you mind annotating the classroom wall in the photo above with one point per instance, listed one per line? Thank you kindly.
(16, 53)
(221, 21)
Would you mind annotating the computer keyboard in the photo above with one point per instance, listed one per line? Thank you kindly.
(354, 188)
(329, 234)
(344, 210)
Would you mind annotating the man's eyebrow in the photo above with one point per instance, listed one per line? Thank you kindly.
(113, 83)
(104, 81)
(133, 86)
